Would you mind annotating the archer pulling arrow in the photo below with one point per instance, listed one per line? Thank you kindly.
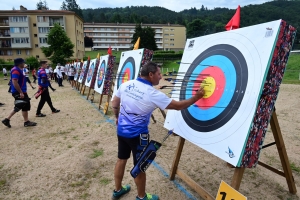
(133, 105)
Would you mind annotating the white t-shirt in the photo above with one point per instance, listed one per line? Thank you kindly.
(4, 71)
(62, 69)
(138, 100)
(26, 72)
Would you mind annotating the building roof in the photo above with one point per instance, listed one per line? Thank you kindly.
(128, 24)
(42, 12)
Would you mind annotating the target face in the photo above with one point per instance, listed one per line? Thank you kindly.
(90, 72)
(82, 71)
(129, 67)
(77, 67)
(231, 67)
(99, 83)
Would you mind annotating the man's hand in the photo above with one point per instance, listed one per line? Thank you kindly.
(200, 93)
(22, 95)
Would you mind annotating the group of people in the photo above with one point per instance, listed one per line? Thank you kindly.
(19, 77)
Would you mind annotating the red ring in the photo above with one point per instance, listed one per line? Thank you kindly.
(127, 71)
(216, 73)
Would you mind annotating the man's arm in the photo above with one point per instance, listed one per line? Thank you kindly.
(180, 105)
(17, 87)
(116, 106)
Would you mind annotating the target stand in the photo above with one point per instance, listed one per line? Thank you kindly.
(239, 171)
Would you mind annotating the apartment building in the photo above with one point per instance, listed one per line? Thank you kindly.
(23, 32)
(119, 35)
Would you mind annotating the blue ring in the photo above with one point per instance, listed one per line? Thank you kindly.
(102, 66)
(89, 78)
(129, 63)
(230, 82)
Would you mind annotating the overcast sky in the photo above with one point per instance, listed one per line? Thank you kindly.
(176, 5)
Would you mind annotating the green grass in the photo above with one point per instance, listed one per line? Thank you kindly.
(96, 153)
(2, 182)
(294, 167)
(93, 54)
(292, 71)
(105, 181)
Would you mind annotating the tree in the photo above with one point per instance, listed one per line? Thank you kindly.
(195, 28)
(147, 37)
(32, 62)
(88, 42)
(42, 5)
(61, 47)
(72, 5)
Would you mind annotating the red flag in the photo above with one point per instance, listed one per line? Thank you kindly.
(109, 51)
(234, 23)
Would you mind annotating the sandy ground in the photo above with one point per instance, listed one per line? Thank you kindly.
(71, 155)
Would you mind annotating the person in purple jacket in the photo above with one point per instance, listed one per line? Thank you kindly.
(19, 92)
(43, 82)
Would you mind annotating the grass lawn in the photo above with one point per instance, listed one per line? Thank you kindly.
(93, 54)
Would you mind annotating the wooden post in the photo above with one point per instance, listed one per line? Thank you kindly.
(237, 177)
(87, 97)
(282, 153)
(83, 90)
(93, 95)
(177, 157)
(100, 102)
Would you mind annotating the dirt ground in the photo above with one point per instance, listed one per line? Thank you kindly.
(71, 155)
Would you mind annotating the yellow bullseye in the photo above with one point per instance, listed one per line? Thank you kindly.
(125, 78)
(209, 86)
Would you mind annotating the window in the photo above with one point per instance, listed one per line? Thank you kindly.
(35, 35)
(166, 29)
(19, 40)
(43, 19)
(37, 56)
(19, 30)
(43, 40)
(9, 53)
(172, 39)
(171, 34)
(18, 52)
(27, 52)
(171, 44)
(172, 29)
(18, 19)
(166, 44)
(36, 45)
(44, 29)
(166, 34)
(34, 24)
(166, 39)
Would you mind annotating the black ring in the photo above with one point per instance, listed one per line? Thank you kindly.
(121, 74)
(99, 85)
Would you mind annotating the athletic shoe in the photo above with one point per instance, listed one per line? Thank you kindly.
(148, 197)
(124, 190)
(29, 123)
(53, 89)
(40, 115)
(55, 111)
(6, 122)
(1, 104)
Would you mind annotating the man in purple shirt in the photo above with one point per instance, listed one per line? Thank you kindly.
(43, 85)
(19, 92)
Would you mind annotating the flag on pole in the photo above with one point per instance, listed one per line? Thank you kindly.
(82, 60)
(137, 44)
(109, 51)
(89, 58)
(234, 23)
(98, 56)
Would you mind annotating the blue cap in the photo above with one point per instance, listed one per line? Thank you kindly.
(18, 61)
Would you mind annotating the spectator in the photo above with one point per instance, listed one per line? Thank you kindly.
(59, 77)
(26, 73)
(34, 75)
(5, 73)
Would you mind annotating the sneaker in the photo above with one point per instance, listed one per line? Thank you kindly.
(117, 195)
(40, 115)
(29, 123)
(149, 197)
(53, 89)
(6, 122)
(1, 104)
(55, 111)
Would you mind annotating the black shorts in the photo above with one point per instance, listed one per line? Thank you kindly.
(128, 145)
(28, 80)
(71, 78)
(5, 74)
(26, 98)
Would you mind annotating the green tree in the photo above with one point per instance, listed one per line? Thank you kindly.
(72, 5)
(147, 37)
(196, 28)
(61, 47)
(42, 5)
(32, 62)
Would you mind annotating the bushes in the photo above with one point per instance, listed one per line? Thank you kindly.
(32, 62)
(168, 56)
(163, 52)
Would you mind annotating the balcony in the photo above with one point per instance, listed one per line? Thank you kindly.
(5, 24)
(59, 22)
(5, 44)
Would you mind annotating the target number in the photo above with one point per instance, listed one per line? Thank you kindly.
(226, 192)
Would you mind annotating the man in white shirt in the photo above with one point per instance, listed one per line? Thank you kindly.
(5, 73)
(133, 105)
(59, 76)
(26, 73)
(62, 70)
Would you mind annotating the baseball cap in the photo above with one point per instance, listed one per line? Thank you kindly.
(18, 61)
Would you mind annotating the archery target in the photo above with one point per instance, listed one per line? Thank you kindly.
(77, 68)
(231, 66)
(90, 73)
(99, 83)
(81, 75)
(129, 67)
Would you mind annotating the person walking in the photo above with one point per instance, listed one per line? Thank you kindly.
(34, 75)
(133, 105)
(49, 77)
(4, 73)
(43, 86)
(26, 73)
(19, 92)
(59, 77)
(71, 74)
